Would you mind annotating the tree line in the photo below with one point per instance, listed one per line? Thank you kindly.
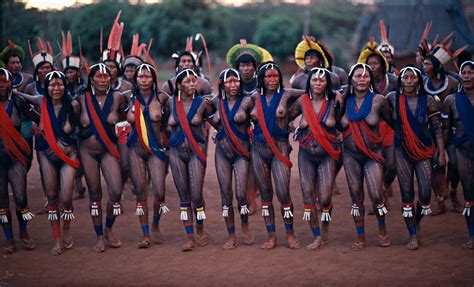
(278, 28)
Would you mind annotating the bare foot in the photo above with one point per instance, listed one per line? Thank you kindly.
(230, 244)
(10, 247)
(99, 247)
(316, 244)
(202, 240)
(440, 209)
(468, 244)
(293, 243)
(112, 239)
(413, 243)
(144, 243)
(248, 238)
(57, 249)
(457, 206)
(384, 240)
(28, 243)
(269, 244)
(358, 245)
(67, 239)
(157, 238)
(189, 245)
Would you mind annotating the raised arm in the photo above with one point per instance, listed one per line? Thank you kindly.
(32, 99)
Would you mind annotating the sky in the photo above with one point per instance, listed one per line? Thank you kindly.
(59, 4)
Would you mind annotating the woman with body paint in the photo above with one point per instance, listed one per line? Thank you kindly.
(147, 153)
(439, 84)
(56, 147)
(187, 158)
(458, 112)
(415, 114)
(14, 152)
(233, 151)
(318, 151)
(98, 151)
(271, 149)
(362, 153)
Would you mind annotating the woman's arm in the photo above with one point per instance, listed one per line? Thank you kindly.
(34, 100)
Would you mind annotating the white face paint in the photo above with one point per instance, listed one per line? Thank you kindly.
(416, 71)
(268, 66)
(50, 75)
(103, 69)
(145, 66)
(364, 67)
(320, 72)
(6, 72)
(226, 71)
(188, 72)
(463, 64)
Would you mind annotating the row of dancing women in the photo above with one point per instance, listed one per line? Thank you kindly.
(377, 122)
(154, 115)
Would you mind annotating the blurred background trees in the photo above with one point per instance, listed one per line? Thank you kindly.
(274, 25)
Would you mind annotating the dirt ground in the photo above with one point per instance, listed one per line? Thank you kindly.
(439, 262)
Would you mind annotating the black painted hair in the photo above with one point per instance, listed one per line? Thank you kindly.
(261, 74)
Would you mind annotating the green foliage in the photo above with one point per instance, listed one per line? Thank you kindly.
(278, 34)
(277, 28)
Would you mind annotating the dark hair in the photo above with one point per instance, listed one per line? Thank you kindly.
(418, 75)
(94, 69)
(35, 74)
(438, 68)
(119, 70)
(66, 101)
(246, 58)
(11, 56)
(313, 52)
(329, 88)
(7, 74)
(230, 72)
(351, 75)
(181, 76)
(465, 64)
(382, 61)
(261, 74)
(135, 88)
(182, 54)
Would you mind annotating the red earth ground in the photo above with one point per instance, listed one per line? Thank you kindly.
(439, 262)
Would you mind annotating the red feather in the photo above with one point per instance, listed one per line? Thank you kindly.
(83, 60)
(445, 39)
(208, 59)
(383, 32)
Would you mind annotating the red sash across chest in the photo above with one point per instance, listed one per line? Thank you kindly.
(228, 130)
(319, 133)
(14, 144)
(261, 120)
(50, 137)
